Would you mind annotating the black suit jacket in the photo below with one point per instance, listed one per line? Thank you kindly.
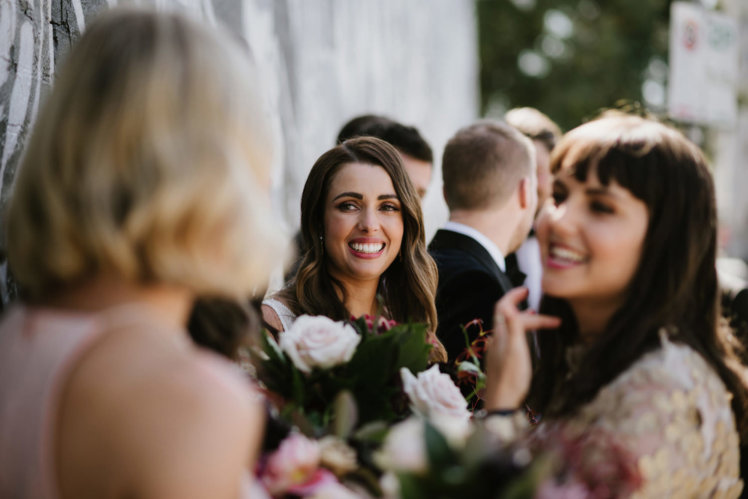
(470, 284)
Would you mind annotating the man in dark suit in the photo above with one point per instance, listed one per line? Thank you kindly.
(490, 187)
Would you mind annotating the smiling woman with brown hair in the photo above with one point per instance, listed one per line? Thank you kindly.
(362, 218)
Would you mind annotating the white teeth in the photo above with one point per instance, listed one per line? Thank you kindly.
(566, 254)
(368, 247)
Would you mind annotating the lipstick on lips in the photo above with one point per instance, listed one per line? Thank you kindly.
(366, 247)
(563, 257)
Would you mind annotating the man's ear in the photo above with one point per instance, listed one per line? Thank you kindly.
(524, 192)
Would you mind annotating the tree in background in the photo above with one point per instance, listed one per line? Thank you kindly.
(571, 58)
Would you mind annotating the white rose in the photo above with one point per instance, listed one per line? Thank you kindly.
(456, 429)
(434, 392)
(317, 341)
(404, 448)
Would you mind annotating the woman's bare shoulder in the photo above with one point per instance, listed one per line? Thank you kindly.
(163, 414)
(270, 315)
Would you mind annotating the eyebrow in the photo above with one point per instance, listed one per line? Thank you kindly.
(357, 195)
(599, 191)
(590, 191)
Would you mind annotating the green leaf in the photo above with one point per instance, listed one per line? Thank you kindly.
(439, 452)
(411, 487)
(271, 347)
(297, 387)
(345, 414)
(372, 365)
(373, 432)
(413, 348)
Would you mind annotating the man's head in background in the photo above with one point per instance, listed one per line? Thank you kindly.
(544, 133)
(415, 152)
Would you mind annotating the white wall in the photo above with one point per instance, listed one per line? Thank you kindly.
(323, 61)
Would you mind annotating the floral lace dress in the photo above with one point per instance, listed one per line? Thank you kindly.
(671, 412)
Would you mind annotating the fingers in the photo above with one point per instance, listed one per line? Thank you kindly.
(508, 361)
(507, 315)
(512, 298)
(533, 321)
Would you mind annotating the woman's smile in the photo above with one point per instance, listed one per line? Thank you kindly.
(363, 223)
(561, 257)
(367, 248)
(591, 238)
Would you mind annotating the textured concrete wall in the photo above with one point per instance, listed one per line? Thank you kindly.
(322, 62)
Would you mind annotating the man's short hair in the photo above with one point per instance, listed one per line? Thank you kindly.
(534, 124)
(406, 139)
(483, 164)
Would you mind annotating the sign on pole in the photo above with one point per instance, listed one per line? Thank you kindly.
(704, 60)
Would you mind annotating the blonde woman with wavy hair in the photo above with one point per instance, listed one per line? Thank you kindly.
(142, 187)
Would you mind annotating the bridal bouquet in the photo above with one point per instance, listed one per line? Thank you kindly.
(441, 451)
(335, 376)
(335, 388)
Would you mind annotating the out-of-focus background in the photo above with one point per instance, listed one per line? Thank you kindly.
(438, 65)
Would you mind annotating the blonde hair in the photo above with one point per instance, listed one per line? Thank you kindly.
(534, 124)
(145, 162)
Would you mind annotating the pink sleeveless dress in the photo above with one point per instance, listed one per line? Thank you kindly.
(38, 350)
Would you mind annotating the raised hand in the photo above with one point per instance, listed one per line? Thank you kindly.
(508, 363)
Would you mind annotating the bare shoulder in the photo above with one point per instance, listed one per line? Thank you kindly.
(171, 420)
(270, 316)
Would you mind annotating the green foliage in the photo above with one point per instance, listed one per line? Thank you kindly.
(602, 61)
(482, 468)
(348, 396)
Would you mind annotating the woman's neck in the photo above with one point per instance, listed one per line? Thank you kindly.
(361, 297)
(171, 304)
(592, 319)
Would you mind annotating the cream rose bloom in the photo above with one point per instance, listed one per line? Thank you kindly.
(404, 448)
(317, 341)
(433, 393)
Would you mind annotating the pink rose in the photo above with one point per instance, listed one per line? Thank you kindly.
(317, 341)
(433, 393)
(294, 463)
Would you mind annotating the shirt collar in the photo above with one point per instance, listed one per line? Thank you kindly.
(487, 244)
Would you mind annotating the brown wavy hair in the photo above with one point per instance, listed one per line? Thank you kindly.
(408, 286)
(675, 285)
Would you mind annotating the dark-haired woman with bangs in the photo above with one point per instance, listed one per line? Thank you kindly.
(635, 348)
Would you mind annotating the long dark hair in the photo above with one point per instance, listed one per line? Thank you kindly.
(407, 287)
(675, 285)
